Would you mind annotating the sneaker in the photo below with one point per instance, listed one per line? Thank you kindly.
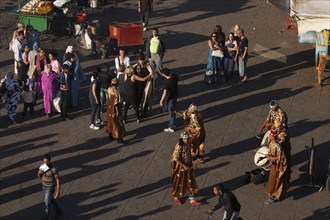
(144, 29)
(169, 130)
(99, 122)
(143, 24)
(94, 127)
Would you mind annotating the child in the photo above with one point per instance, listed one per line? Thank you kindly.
(28, 100)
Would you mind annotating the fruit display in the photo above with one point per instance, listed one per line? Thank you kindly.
(38, 7)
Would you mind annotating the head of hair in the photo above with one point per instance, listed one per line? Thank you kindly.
(26, 88)
(65, 67)
(40, 49)
(155, 29)
(215, 33)
(53, 53)
(141, 56)
(29, 27)
(219, 187)
(166, 71)
(20, 33)
(121, 68)
(218, 28)
(231, 33)
(96, 72)
(46, 156)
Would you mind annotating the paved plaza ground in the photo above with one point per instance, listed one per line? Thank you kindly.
(103, 180)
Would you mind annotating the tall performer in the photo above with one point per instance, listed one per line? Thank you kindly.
(183, 180)
(277, 182)
(195, 127)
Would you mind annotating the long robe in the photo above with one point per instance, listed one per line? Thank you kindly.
(183, 182)
(284, 141)
(74, 80)
(12, 92)
(277, 182)
(115, 125)
(195, 128)
(49, 88)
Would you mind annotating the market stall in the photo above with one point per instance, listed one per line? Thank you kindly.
(38, 13)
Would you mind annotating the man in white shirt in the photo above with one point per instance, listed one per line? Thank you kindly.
(18, 44)
(122, 59)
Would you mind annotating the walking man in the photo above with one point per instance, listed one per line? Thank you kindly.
(242, 54)
(144, 8)
(50, 180)
(228, 200)
(169, 97)
(155, 51)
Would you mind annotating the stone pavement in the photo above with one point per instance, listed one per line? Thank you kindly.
(102, 180)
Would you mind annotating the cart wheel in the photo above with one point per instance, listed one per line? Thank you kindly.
(80, 42)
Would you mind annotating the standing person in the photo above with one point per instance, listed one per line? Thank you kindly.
(129, 94)
(62, 78)
(275, 113)
(56, 66)
(228, 200)
(194, 125)
(155, 51)
(144, 89)
(283, 138)
(115, 125)
(183, 180)
(231, 49)
(170, 96)
(242, 54)
(277, 182)
(122, 59)
(48, 87)
(32, 36)
(50, 180)
(77, 75)
(41, 60)
(94, 98)
(32, 62)
(221, 34)
(144, 9)
(28, 101)
(25, 65)
(214, 63)
(17, 47)
(12, 92)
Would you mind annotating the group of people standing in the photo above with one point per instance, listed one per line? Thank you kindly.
(40, 73)
(223, 54)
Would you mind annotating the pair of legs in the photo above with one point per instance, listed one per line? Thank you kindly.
(191, 200)
(29, 106)
(156, 63)
(49, 200)
(144, 16)
(135, 107)
(64, 102)
(103, 98)
(242, 68)
(96, 110)
(229, 67)
(171, 109)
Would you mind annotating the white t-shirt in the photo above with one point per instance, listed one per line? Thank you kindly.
(126, 62)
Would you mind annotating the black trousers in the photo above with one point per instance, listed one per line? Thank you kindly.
(29, 106)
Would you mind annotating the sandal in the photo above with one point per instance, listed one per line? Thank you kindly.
(177, 201)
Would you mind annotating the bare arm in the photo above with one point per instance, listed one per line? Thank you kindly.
(58, 187)
(40, 172)
(163, 97)
(94, 93)
(245, 52)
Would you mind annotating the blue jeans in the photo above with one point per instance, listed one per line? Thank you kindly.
(96, 109)
(171, 105)
(49, 199)
(229, 67)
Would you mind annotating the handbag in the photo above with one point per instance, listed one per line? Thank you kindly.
(217, 53)
(57, 102)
